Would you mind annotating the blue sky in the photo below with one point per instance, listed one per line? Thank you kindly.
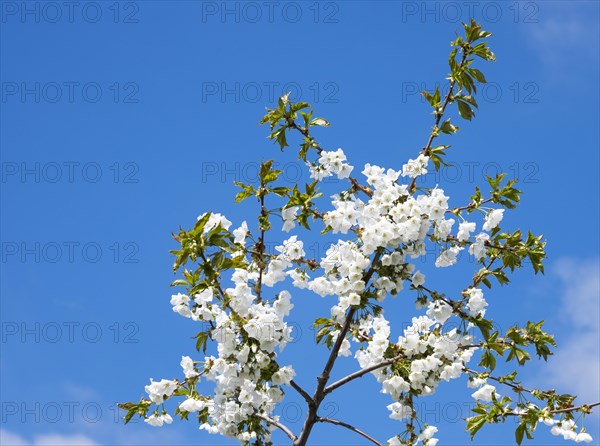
(122, 121)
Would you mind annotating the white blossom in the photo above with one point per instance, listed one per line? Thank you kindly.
(485, 393)
(464, 230)
(415, 168)
(289, 217)
(188, 367)
(477, 303)
(492, 219)
(159, 420)
(240, 233)
(158, 391)
(192, 405)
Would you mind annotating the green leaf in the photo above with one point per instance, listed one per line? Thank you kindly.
(265, 168)
(321, 321)
(488, 360)
(519, 433)
(478, 75)
(465, 111)
(128, 416)
(448, 128)
(433, 99)
(299, 106)
(201, 341)
(199, 226)
(179, 282)
(271, 176)
(484, 326)
(242, 196)
(280, 191)
(475, 423)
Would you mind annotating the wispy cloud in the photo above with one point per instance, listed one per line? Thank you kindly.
(8, 438)
(575, 368)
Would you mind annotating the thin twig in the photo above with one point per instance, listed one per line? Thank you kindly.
(355, 184)
(516, 387)
(279, 425)
(583, 407)
(471, 205)
(438, 117)
(302, 392)
(573, 409)
(520, 388)
(348, 426)
(360, 373)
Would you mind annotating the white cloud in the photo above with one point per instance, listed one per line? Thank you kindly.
(565, 36)
(63, 440)
(8, 438)
(80, 392)
(575, 367)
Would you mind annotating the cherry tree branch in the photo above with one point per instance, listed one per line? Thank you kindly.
(348, 426)
(311, 417)
(319, 395)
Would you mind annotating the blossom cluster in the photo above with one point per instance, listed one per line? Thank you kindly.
(248, 333)
(430, 356)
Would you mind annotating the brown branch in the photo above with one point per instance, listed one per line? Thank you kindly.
(359, 187)
(311, 417)
(319, 395)
(348, 426)
(261, 243)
